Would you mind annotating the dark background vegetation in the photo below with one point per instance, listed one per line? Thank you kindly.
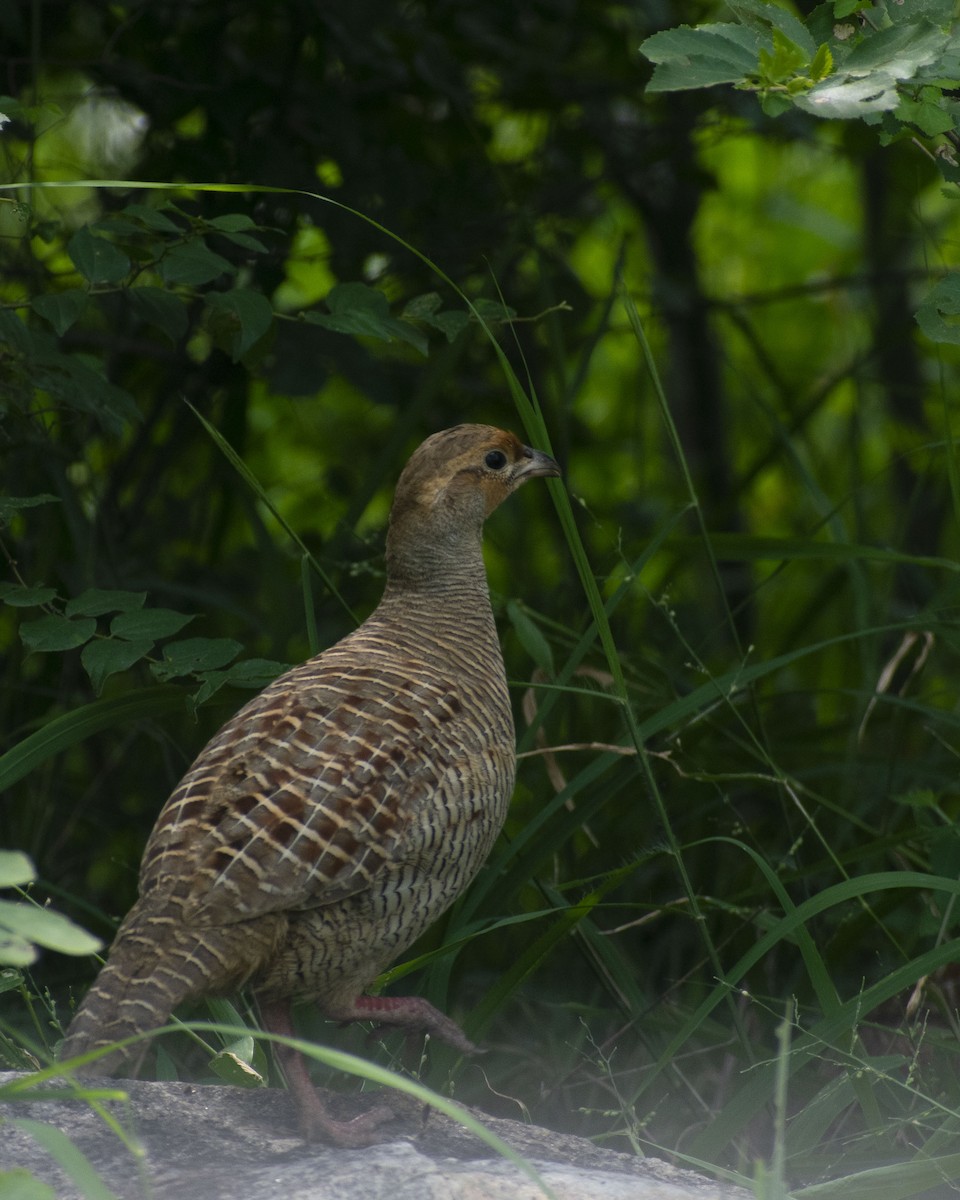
(787, 643)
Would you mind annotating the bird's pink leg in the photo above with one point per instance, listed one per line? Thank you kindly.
(315, 1120)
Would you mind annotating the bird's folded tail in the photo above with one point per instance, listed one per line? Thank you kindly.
(155, 964)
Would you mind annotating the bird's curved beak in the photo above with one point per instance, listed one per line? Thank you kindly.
(535, 462)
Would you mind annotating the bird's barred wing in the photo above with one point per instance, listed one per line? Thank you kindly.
(303, 797)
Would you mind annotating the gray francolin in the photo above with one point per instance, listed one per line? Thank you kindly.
(342, 810)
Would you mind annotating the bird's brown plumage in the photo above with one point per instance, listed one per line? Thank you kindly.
(342, 810)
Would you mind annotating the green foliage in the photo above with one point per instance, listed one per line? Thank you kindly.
(895, 59)
(25, 926)
(734, 654)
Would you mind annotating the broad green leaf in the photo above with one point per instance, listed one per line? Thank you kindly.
(193, 264)
(149, 623)
(26, 597)
(193, 655)
(426, 308)
(16, 869)
(898, 51)
(97, 260)
(232, 223)
(75, 384)
(233, 1065)
(848, 97)
(10, 980)
(14, 334)
(358, 309)
(16, 951)
(493, 310)
(846, 8)
(928, 113)
(11, 505)
(53, 632)
(104, 657)
(784, 61)
(690, 58)
(939, 314)
(161, 308)
(94, 602)
(918, 798)
(763, 15)
(61, 309)
(251, 673)
(867, 81)
(237, 227)
(43, 927)
(244, 315)
(152, 218)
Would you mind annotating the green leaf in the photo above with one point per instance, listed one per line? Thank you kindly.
(898, 51)
(919, 798)
(192, 655)
(16, 951)
(243, 315)
(233, 1065)
(21, 1184)
(11, 505)
(764, 16)
(97, 260)
(76, 384)
(16, 869)
(494, 311)
(149, 623)
(152, 218)
(251, 673)
(73, 727)
(14, 335)
(61, 309)
(53, 633)
(94, 602)
(847, 97)
(822, 64)
(43, 927)
(26, 597)
(104, 657)
(783, 62)
(689, 58)
(235, 226)
(358, 309)
(426, 308)
(193, 264)
(163, 309)
(531, 638)
(232, 223)
(939, 314)
(927, 113)
(846, 8)
(10, 980)
(74, 1163)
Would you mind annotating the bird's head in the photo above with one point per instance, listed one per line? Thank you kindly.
(451, 484)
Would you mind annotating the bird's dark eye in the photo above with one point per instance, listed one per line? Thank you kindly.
(495, 460)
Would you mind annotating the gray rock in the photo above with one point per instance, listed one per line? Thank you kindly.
(183, 1141)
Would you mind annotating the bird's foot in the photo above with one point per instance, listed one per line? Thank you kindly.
(412, 1014)
(317, 1124)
